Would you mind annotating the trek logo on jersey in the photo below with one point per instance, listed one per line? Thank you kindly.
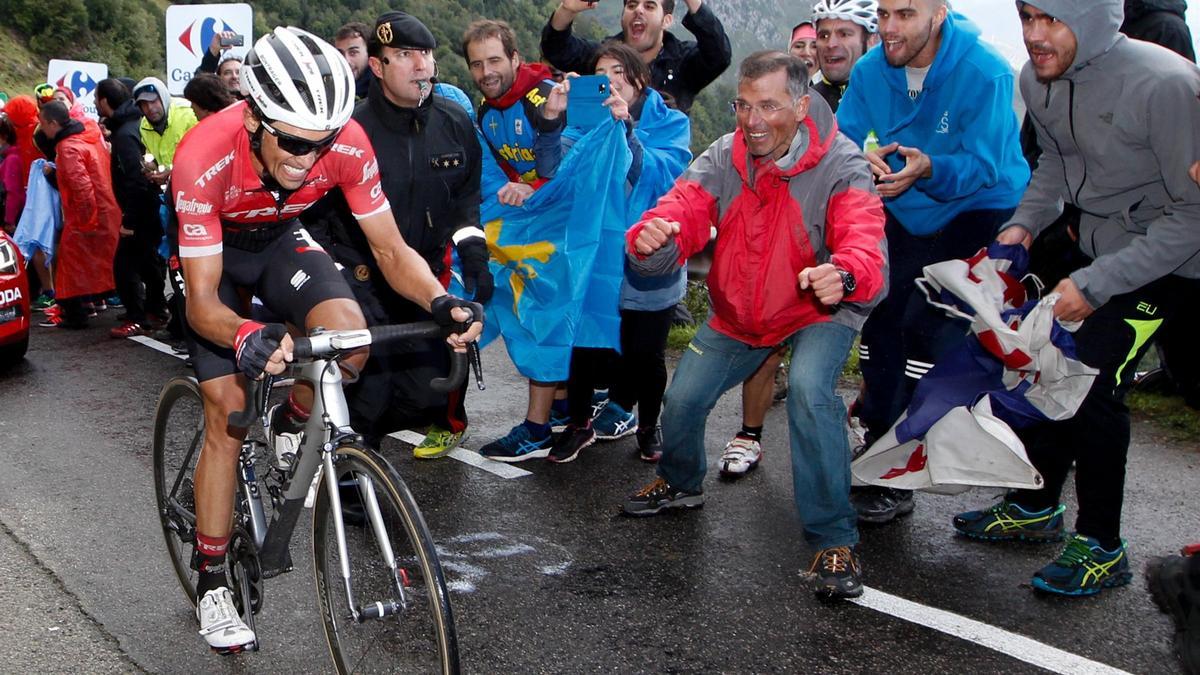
(370, 170)
(511, 154)
(9, 296)
(344, 149)
(193, 207)
(214, 170)
(194, 230)
(287, 210)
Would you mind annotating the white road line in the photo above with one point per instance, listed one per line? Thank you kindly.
(998, 639)
(158, 346)
(468, 457)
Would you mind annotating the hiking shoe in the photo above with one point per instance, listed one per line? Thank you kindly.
(42, 302)
(518, 446)
(115, 302)
(1083, 568)
(878, 505)
(660, 495)
(1167, 581)
(284, 437)
(127, 329)
(741, 455)
(649, 443)
(570, 442)
(1006, 521)
(438, 442)
(837, 573)
(558, 421)
(614, 422)
(220, 625)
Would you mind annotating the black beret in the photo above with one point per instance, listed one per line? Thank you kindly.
(397, 29)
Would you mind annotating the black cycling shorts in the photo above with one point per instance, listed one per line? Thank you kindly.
(290, 275)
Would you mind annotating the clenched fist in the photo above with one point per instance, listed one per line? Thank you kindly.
(825, 282)
(655, 234)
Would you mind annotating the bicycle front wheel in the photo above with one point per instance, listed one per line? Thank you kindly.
(178, 437)
(395, 618)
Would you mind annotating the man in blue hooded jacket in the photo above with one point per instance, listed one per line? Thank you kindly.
(933, 109)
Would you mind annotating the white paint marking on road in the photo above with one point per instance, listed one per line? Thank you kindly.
(1003, 641)
(158, 346)
(467, 457)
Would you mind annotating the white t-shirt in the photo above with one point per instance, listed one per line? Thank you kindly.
(916, 80)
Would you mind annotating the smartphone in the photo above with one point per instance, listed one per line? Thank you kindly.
(585, 102)
(235, 41)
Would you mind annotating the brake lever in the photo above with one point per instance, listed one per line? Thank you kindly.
(476, 364)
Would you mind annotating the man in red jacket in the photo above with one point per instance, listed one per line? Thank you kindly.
(800, 258)
(91, 217)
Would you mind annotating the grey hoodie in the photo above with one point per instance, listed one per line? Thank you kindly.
(1119, 129)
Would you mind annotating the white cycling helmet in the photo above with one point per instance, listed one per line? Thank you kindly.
(295, 77)
(862, 12)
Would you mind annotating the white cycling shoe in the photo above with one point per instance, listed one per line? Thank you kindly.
(741, 455)
(220, 625)
(286, 445)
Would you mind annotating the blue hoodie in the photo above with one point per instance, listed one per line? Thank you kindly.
(963, 119)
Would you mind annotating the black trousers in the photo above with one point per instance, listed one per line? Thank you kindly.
(1096, 439)
(137, 265)
(636, 376)
(904, 335)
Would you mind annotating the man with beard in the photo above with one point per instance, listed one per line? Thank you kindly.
(512, 121)
(220, 60)
(933, 109)
(164, 124)
(678, 70)
(351, 41)
(430, 174)
(1118, 123)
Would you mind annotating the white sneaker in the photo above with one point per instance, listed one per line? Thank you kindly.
(286, 445)
(220, 625)
(741, 455)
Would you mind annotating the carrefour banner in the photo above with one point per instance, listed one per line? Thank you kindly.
(190, 29)
(81, 77)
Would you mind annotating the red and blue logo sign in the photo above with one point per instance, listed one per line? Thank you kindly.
(80, 83)
(199, 33)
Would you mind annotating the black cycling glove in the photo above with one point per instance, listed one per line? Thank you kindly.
(254, 344)
(477, 277)
(441, 306)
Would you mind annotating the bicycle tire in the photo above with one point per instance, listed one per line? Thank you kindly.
(178, 437)
(421, 636)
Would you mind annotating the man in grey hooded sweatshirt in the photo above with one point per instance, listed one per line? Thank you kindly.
(1119, 122)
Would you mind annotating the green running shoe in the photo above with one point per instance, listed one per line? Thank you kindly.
(1007, 521)
(437, 442)
(1084, 568)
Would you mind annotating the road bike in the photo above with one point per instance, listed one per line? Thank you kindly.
(380, 588)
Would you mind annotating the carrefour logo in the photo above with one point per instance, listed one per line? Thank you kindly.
(199, 33)
(80, 83)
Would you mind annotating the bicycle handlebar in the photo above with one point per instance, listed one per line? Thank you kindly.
(330, 343)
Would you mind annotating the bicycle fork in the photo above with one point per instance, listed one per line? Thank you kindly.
(376, 609)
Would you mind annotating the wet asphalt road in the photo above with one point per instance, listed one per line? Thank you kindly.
(546, 577)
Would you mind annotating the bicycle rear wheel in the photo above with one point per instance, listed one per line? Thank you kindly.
(178, 437)
(416, 633)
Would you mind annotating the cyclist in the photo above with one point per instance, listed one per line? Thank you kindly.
(240, 179)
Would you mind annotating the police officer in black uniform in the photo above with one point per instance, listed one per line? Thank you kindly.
(429, 163)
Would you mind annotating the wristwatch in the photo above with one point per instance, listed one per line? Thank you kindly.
(849, 283)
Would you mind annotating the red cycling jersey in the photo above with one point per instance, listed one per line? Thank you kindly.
(215, 184)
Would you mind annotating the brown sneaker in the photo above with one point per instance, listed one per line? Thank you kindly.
(837, 572)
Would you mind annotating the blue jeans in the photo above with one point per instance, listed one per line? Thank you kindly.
(714, 363)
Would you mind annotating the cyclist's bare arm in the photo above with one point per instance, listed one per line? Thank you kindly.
(210, 318)
(407, 272)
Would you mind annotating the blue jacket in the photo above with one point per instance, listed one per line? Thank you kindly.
(963, 119)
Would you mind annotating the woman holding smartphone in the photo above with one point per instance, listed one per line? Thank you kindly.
(658, 138)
